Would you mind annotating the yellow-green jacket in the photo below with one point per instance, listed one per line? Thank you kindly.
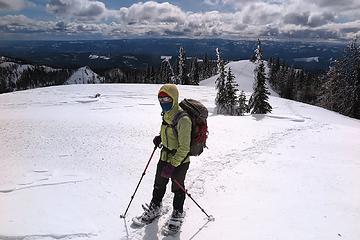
(175, 147)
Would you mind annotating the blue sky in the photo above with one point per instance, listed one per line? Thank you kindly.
(106, 19)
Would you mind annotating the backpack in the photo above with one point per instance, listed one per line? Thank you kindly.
(198, 114)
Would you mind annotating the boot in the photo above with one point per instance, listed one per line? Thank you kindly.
(151, 212)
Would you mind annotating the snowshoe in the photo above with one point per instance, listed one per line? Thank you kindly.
(151, 212)
(173, 225)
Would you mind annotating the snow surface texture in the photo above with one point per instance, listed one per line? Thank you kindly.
(69, 167)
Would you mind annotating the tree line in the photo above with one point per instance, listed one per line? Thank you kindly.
(177, 70)
(337, 89)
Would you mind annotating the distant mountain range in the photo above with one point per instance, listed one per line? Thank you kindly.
(139, 53)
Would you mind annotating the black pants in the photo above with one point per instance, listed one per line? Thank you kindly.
(160, 185)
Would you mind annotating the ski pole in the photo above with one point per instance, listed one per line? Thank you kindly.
(143, 174)
(210, 217)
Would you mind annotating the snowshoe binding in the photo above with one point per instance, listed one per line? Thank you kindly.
(151, 212)
(173, 225)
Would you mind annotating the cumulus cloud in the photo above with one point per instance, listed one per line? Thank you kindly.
(252, 18)
(14, 5)
(23, 24)
(296, 18)
(317, 20)
(80, 9)
(152, 12)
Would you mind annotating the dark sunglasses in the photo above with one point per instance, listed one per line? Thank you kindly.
(165, 99)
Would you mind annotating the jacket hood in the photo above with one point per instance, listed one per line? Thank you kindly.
(172, 91)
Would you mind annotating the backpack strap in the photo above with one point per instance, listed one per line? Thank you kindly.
(175, 121)
(177, 117)
(173, 124)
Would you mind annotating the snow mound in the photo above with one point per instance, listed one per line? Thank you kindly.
(243, 71)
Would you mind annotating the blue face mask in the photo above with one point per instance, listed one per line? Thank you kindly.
(166, 106)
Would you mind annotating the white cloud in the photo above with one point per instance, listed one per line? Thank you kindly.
(253, 19)
(14, 5)
(79, 9)
(152, 12)
(23, 24)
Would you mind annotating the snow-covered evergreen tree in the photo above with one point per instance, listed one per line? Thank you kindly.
(194, 74)
(258, 103)
(231, 97)
(218, 60)
(350, 72)
(206, 68)
(182, 77)
(242, 106)
(220, 100)
(166, 71)
(343, 93)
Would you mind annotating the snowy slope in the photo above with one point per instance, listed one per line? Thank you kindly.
(84, 75)
(69, 168)
(244, 74)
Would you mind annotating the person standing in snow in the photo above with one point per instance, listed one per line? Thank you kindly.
(174, 157)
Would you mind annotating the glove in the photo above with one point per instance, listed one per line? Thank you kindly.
(167, 171)
(157, 141)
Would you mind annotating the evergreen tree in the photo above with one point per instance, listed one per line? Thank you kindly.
(231, 97)
(147, 74)
(194, 74)
(220, 100)
(165, 72)
(152, 75)
(288, 91)
(3, 84)
(218, 60)
(350, 72)
(343, 87)
(299, 82)
(242, 106)
(206, 69)
(259, 99)
(182, 77)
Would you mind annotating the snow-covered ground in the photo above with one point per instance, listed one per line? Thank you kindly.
(70, 163)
